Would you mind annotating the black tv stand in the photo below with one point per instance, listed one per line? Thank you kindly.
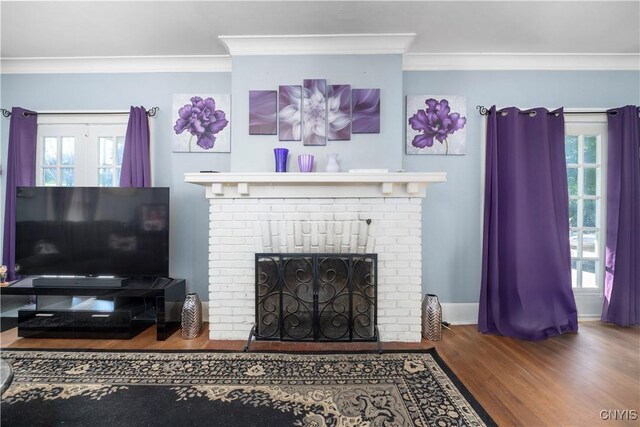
(98, 311)
(80, 282)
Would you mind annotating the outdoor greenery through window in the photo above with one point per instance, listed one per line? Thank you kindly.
(80, 154)
(584, 173)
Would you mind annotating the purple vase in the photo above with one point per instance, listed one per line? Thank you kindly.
(305, 163)
(281, 159)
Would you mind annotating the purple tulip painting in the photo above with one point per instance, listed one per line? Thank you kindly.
(202, 123)
(314, 112)
(339, 112)
(365, 110)
(290, 114)
(263, 108)
(436, 124)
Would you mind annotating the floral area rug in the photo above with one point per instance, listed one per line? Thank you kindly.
(91, 388)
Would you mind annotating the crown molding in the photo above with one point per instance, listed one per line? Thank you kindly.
(117, 64)
(520, 61)
(411, 61)
(318, 44)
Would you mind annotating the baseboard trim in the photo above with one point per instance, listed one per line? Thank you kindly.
(460, 313)
(467, 313)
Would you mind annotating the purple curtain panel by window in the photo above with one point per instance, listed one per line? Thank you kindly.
(290, 113)
(21, 171)
(526, 264)
(314, 112)
(263, 108)
(339, 112)
(622, 277)
(136, 167)
(365, 111)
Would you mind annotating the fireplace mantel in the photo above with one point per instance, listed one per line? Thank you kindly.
(315, 185)
(349, 212)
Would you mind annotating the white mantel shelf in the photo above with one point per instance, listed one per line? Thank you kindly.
(315, 185)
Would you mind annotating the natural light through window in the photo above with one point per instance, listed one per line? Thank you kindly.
(80, 154)
(584, 157)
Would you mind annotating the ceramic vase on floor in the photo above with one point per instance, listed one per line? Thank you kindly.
(431, 318)
(191, 316)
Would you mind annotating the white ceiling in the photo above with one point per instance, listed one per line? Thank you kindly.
(157, 28)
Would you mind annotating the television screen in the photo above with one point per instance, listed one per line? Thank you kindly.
(92, 231)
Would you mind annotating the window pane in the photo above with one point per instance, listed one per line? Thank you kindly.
(572, 178)
(571, 148)
(589, 213)
(590, 149)
(590, 245)
(68, 150)
(50, 151)
(120, 143)
(573, 241)
(589, 275)
(66, 177)
(116, 178)
(50, 177)
(105, 145)
(574, 272)
(589, 181)
(573, 213)
(105, 177)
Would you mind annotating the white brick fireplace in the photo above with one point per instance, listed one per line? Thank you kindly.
(315, 213)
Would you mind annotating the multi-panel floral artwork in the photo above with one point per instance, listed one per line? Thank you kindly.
(314, 112)
(263, 109)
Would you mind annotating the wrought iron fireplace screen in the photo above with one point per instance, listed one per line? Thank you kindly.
(316, 297)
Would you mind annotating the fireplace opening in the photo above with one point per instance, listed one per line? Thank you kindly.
(315, 297)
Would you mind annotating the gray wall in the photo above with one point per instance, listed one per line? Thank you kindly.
(451, 228)
(251, 153)
(189, 209)
(451, 225)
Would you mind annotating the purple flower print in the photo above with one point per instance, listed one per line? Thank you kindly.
(201, 119)
(436, 122)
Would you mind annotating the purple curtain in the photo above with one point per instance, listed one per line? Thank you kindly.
(526, 264)
(21, 171)
(622, 277)
(136, 169)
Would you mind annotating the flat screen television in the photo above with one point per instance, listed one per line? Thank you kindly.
(92, 231)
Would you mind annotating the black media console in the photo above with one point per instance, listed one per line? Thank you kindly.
(98, 311)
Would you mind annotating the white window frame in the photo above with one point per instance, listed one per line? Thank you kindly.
(93, 122)
(589, 300)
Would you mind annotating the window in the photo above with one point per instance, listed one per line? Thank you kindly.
(585, 149)
(78, 150)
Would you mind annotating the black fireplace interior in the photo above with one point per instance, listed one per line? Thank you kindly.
(316, 297)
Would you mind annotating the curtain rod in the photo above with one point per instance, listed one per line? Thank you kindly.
(484, 111)
(152, 112)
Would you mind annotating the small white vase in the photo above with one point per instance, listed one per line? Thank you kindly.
(332, 164)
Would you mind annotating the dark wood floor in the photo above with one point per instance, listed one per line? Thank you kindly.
(566, 380)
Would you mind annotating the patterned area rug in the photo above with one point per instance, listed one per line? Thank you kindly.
(235, 389)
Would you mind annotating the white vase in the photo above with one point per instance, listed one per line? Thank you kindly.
(332, 164)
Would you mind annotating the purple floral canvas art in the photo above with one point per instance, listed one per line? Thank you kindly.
(201, 123)
(314, 112)
(436, 124)
(263, 109)
(290, 113)
(365, 111)
(339, 112)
